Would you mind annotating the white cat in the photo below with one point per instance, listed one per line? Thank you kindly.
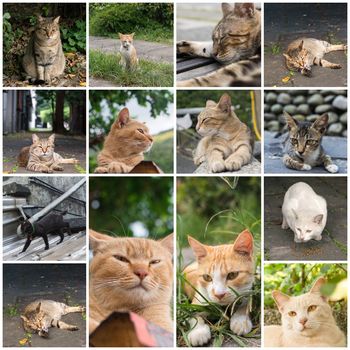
(304, 212)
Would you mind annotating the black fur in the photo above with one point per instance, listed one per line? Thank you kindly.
(50, 224)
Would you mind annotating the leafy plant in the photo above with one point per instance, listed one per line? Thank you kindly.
(8, 35)
(74, 38)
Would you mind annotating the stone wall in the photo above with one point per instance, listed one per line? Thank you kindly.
(306, 105)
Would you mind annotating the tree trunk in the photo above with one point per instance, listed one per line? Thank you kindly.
(58, 126)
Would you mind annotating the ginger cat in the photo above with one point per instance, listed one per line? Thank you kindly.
(215, 271)
(307, 321)
(131, 274)
(124, 145)
(227, 143)
(127, 51)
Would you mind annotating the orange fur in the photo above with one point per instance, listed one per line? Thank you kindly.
(127, 51)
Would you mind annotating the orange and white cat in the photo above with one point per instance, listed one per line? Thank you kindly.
(307, 321)
(131, 274)
(217, 271)
(128, 55)
(124, 146)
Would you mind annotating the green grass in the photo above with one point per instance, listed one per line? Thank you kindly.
(149, 73)
(12, 310)
(79, 169)
(274, 48)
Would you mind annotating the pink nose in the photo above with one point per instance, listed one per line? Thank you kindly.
(141, 273)
(220, 296)
(303, 321)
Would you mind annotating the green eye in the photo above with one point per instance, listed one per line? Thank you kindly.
(232, 275)
(311, 142)
(207, 278)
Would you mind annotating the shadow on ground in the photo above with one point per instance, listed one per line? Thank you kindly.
(286, 22)
(66, 146)
(280, 245)
(26, 283)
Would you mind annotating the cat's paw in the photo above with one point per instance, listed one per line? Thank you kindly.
(233, 164)
(199, 335)
(101, 170)
(336, 66)
(58, 168)
(306, 167)
(47, 170)
(318, 238)
(217, 166)
(332, 168)
(284, 225)
(240, 324)
(184, 47)
(198, 160)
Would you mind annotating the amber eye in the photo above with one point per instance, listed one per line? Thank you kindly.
(294, 141)
(311, 308)
(121, 258)
(292, 313)
(153, 262)
(207, 278)
(232, 275)
(141, 131)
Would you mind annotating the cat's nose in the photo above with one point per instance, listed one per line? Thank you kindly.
(141, 273)
(220, 296)
(303, 321)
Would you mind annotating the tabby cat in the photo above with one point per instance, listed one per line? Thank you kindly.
(303, 145)
(40, 315)
(44, 58)
(236, 44)
(127, 51)
(124, 146)
(218, 272)
(131, 274)
(41, 156)
(227, 143)
(303, 53)
(307, 321)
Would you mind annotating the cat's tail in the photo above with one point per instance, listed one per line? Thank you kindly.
(69, 161)
(23, 157)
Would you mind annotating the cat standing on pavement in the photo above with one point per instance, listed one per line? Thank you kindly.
(304, 212)
(127, 51)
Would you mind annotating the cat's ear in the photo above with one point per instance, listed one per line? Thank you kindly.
(56, 20)
(321, 123)
(210, 103)
(291, 122)
(38, 307)
(226, 8)
(316, 288)
(245, 9)
(35, 138)
(123, 118)
(318, 219)
(244, 243)
(40, 18)
(300, 47)
(286, 56)
(98, 240)
(52, 138)
(132, 35)
(200, 250)
(168, 243)
(225, 103)
(120, 35)
(25, 319)
(280, 299)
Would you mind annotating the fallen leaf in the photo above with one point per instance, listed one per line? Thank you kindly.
(82, 83)
(70, 55)
(23, 341)
(286, 79)
(71, 76)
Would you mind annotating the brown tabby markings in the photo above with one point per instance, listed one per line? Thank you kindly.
(227, 143)
(124, 145)
(307, 321)
(303, 53)
(303, 146)
(131, 274)
(41, 156)
(44, 58)
(40, 315)
(127, 51)
(236, 42)
(216, 270)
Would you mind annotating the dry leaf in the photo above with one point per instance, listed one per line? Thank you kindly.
(70, 55)
(286, 79)
(23, 341)
(82, 83)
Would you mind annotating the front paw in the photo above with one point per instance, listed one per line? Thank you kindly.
(183, 47)
(198, 160)
(101, 170)
(240, 324)
(332, 168)
(57, 168)
(233, 164)
(318, 238)
(306, 167)
(46, 169)
(199, 335)
(217, 166)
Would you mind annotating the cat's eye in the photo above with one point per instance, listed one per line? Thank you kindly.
(155, 261)
(311, 308)
(207, 278)
(311, 142)
(294, 141)
(232, 275)
(308, 231)
(141, 131)
(292, 313)
(121, 258)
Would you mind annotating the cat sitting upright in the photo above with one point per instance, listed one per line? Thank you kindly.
(127, 51)
(307, 321)
(124, 146)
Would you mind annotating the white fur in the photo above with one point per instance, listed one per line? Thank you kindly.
(332, 168)
(200, 333)
(240, 324)
(306, 167)
(301, 212)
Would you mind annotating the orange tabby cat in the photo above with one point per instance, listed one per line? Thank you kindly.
(124, 146)
(216, 270)
(131, 274)
(128, 58)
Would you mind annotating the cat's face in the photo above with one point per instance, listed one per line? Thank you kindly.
(212, 119)
(43, 148)
(126, 132)
(298, 59)
(34, 322)
(225, 268)
(126, 39)
(306, 313)
(48, 28)
(136, 270)
(237, 35)
(306, 137)
(307, 228)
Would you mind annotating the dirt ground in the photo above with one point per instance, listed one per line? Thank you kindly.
(287, 22)
(279, 243)
(66, 146)
(24, 283)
